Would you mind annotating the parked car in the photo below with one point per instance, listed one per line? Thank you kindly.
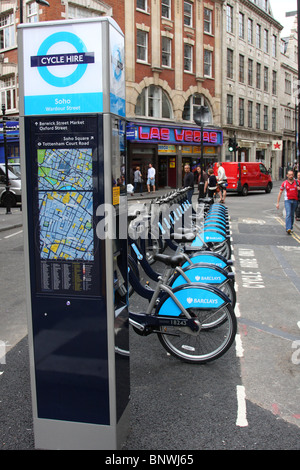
(15, 168)
(246, 176)
(14, 183)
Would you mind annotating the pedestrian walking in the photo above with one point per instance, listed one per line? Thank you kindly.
(137, 181)
(212, 183)
(188, 182)
(222, 181)
(151, 178)
(291, 188)
(202, 181)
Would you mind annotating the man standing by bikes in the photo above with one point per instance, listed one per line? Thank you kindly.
(222, 181)
(291, 188)
(188, 182)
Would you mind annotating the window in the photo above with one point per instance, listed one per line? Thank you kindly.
(250, 113)
(266, 120)
(188, 58)
(229, 109)
(142, 46)
(258, 75)
(266, 40)
(274, 46)
(191, 106)
(229, 19)
(250, 31)
(141, 4)
(241, 111)
(166, 50)
(241, 68)
(274, 82)
(266, 79)
(287, 119)
(257, 116)
(207, 21)
(258, 36)
(274, 114)
(229, 63)
(241, 25)
(188, 14)
(288, 83)
(250, 72)
(8, 92)
(153, 102)
(166, 9)
(7, 31)
(79, 12)
(207, 63)
(32, 13)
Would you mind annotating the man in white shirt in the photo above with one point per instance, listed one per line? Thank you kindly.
(151, 178)
(222, 181)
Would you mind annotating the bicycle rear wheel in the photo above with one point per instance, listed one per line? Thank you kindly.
(211, 342)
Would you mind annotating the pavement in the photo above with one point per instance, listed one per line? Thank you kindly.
(11, 220)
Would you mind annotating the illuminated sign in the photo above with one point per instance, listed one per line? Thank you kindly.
(173, 135)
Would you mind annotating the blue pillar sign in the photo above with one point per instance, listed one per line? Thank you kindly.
(73, 147)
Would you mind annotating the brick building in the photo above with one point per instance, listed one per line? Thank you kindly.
(173, 65)
(181, 54)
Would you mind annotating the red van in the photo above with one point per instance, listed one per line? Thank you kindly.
(246, 176)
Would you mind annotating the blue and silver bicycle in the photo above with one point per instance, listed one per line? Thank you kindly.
(194, 322)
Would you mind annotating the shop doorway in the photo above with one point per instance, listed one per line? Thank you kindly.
(167, 172)
(142, 157)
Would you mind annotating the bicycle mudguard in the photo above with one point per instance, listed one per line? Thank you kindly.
(208, 257)
(191, 296)
(206, 274)
(212, 226)
(209, 236)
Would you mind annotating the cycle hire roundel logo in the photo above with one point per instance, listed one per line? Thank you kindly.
(63, 69)
(46, 63)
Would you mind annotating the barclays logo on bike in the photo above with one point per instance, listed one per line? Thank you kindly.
(207, 278)
(190, 301)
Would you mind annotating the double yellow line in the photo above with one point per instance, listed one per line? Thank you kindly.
(294, 235)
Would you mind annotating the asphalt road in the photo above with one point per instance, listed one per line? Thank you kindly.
(246, 400)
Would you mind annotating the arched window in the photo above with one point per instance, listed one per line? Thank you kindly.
(191, 106)
(153, 102)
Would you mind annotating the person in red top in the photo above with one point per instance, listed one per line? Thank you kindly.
(298, 207)
(291, 188)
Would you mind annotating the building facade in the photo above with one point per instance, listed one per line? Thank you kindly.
(251, 110)
(173, 66)
(180, 55)
(289, 99)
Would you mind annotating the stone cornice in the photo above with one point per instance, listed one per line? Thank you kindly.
(262, 13)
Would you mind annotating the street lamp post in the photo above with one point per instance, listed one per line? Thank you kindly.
(199, 117)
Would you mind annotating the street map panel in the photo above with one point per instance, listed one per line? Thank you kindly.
(66, 204)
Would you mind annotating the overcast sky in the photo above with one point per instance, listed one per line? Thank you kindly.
(279, 8)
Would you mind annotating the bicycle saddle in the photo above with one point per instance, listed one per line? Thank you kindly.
(169, 260)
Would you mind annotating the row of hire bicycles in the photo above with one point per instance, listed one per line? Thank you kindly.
(191, 307)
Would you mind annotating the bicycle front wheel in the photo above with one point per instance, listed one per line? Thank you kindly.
(211, 342)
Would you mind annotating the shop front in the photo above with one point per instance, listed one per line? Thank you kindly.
(12, 142)
(168, 149)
